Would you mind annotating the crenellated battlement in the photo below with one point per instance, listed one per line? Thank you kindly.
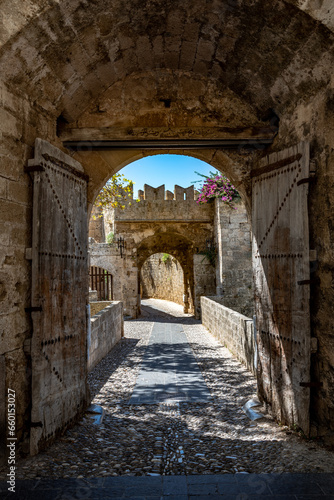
(159, 204)
(160, 194)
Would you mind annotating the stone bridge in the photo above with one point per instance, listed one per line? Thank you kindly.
(89, 87)
(163, 222)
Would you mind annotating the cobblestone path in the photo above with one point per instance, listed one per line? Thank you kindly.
(176, 435)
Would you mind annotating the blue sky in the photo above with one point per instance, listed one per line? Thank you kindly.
(165, 169)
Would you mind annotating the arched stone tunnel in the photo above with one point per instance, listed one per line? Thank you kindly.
(228, 82)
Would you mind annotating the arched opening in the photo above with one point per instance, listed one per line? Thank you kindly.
(69, 73)
(211, 240)
(162, 277)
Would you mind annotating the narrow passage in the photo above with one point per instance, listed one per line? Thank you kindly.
(174, 434)
(169, 371)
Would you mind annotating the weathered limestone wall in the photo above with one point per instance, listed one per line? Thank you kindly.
(96, 227)
(234, 275)
(204, 281)
(231, 328)
(107, 329)
(96, 307)
(125, 274)
(162, 280)
(175, 223)
(156, 204)
(92, 296)
(63, 56)
(20, 124)
(313, 120)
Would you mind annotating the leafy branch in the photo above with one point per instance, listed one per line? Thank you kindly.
(116, 193)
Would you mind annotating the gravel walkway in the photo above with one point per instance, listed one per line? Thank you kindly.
(176, 438)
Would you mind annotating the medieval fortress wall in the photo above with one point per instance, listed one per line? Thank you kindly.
(161, 277)
(158, 204)
(161, 221)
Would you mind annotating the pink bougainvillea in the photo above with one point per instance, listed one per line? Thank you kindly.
(218, 186)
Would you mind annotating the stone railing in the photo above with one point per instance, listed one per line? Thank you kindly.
(232, 329)
(106, 329)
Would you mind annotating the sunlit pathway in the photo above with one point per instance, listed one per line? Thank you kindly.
(169, 371)
(177, 432)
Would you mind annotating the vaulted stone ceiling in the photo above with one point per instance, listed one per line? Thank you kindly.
(65, 54)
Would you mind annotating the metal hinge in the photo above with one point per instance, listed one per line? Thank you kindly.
(314, 345)
(33, 309)
(27, 346)
(33, 168)
(304, 181)
(36, 424)
(311, 384)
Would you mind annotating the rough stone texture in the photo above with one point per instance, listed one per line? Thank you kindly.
(109, 67)
(92, 296)
(232, 329)
(234, 274)
(124, 273)
(205, 283)
(155, 224)
(174, 439)
(96, 307)
(162, 280)
(143, 224)
(106, 330)
(96, 227)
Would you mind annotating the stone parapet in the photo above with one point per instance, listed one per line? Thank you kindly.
(231, 328)
(106, 329)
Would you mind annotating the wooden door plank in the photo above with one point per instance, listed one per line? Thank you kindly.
(280, 255)
(59, 281)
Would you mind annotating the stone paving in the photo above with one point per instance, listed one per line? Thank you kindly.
(177, 436)
(169, 371)
(205, 487)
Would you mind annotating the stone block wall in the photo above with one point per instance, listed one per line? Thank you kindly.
(20, 124)
(106, 329)
(234, 274)
(96, 226)
(124, 273)
(231, 328)
(162, 280)
(97, 306)
(156, 204)
(92, 296)
(204, 280)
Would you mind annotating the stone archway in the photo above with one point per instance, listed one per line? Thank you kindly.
(179, 247)
(192, 71)
(162, 277)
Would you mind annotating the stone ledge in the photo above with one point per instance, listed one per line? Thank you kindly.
(106, 329)
(231, 328)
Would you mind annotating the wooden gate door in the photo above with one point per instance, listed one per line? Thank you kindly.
(59, 292)
(281, 278)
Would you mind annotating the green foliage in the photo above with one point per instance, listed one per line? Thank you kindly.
(166, 258)
(117, 192)
(210, 254)
(110, 238)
